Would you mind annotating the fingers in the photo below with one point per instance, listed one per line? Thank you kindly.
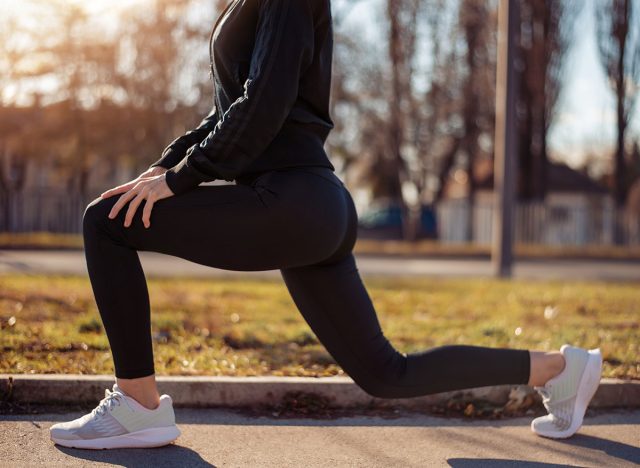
(133, 206)
(139, 192)
(118, 189)
(115, 209)
(146, 211)
(127, 186)
(111, 192)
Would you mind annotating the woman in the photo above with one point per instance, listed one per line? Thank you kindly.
(271, 64)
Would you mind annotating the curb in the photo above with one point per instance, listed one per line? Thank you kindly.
(226, 391)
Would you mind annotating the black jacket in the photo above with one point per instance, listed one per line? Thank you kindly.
(271, 67)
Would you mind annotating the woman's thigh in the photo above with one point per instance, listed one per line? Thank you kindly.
(283, 219)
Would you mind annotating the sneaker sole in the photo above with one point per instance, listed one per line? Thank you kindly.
(152, 437)
(586, 389)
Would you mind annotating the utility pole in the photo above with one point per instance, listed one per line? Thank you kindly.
(505, 144)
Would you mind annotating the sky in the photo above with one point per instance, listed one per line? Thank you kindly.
(586, 118)
(586, 111)
(586, 115)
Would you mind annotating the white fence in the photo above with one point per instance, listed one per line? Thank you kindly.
(538, 223)
(547, 224)
(46, 210)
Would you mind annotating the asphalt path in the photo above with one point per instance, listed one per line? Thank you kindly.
(156, 264)
(224, 437)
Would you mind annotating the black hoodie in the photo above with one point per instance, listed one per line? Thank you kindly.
(271, 67)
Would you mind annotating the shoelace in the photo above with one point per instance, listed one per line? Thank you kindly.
(553, 408)
(544, 392)
(110, 400)
(546, 397)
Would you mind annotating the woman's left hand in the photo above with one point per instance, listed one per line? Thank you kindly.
(151, 188)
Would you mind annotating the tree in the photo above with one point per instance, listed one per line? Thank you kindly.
(402, 17)
(478, 24)
(619, 47)
(545, 36)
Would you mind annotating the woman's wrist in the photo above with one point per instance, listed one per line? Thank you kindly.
(157, 170)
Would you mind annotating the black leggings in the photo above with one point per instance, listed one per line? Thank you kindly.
(303, 222)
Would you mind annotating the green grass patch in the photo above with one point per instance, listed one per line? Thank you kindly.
(40, 240)
(240, 327)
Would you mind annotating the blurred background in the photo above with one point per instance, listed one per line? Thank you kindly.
(92, 92)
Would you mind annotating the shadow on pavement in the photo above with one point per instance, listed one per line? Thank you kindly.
(170, 455)
(501, 463)
(610, 447)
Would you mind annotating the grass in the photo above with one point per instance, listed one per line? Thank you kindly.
(431, 248)
(238, 327)
(40, 240)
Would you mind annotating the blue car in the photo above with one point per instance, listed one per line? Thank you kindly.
(386, 223)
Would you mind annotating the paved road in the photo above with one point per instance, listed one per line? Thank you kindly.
(155, 264)
(227, 438)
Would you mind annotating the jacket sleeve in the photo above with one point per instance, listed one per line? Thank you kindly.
(176, 150)
(283, 50)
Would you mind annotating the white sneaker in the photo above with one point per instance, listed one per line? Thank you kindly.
(119, 421)
(567, 395)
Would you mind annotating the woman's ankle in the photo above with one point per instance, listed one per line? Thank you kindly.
(545, 365)
(144, 390)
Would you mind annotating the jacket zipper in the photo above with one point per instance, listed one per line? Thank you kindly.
(212, 71)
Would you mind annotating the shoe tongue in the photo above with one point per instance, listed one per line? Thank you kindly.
(119, 390)
(131, 400)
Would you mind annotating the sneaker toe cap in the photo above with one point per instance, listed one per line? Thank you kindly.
(63, 432)
(543, 424)
(549, 426)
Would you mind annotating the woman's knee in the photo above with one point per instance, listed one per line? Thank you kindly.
(379, 384)
(95, 216)
(383, 378)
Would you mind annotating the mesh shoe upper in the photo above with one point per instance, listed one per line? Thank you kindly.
(116, 414)
(559, 393)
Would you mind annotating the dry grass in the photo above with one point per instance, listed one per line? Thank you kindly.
(234, 326)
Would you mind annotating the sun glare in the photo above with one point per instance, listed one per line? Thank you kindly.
(10, 9)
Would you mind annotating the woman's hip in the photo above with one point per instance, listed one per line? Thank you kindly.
(320, 171)
(313, 199)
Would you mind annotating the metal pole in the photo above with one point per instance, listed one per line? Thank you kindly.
(506, 153)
